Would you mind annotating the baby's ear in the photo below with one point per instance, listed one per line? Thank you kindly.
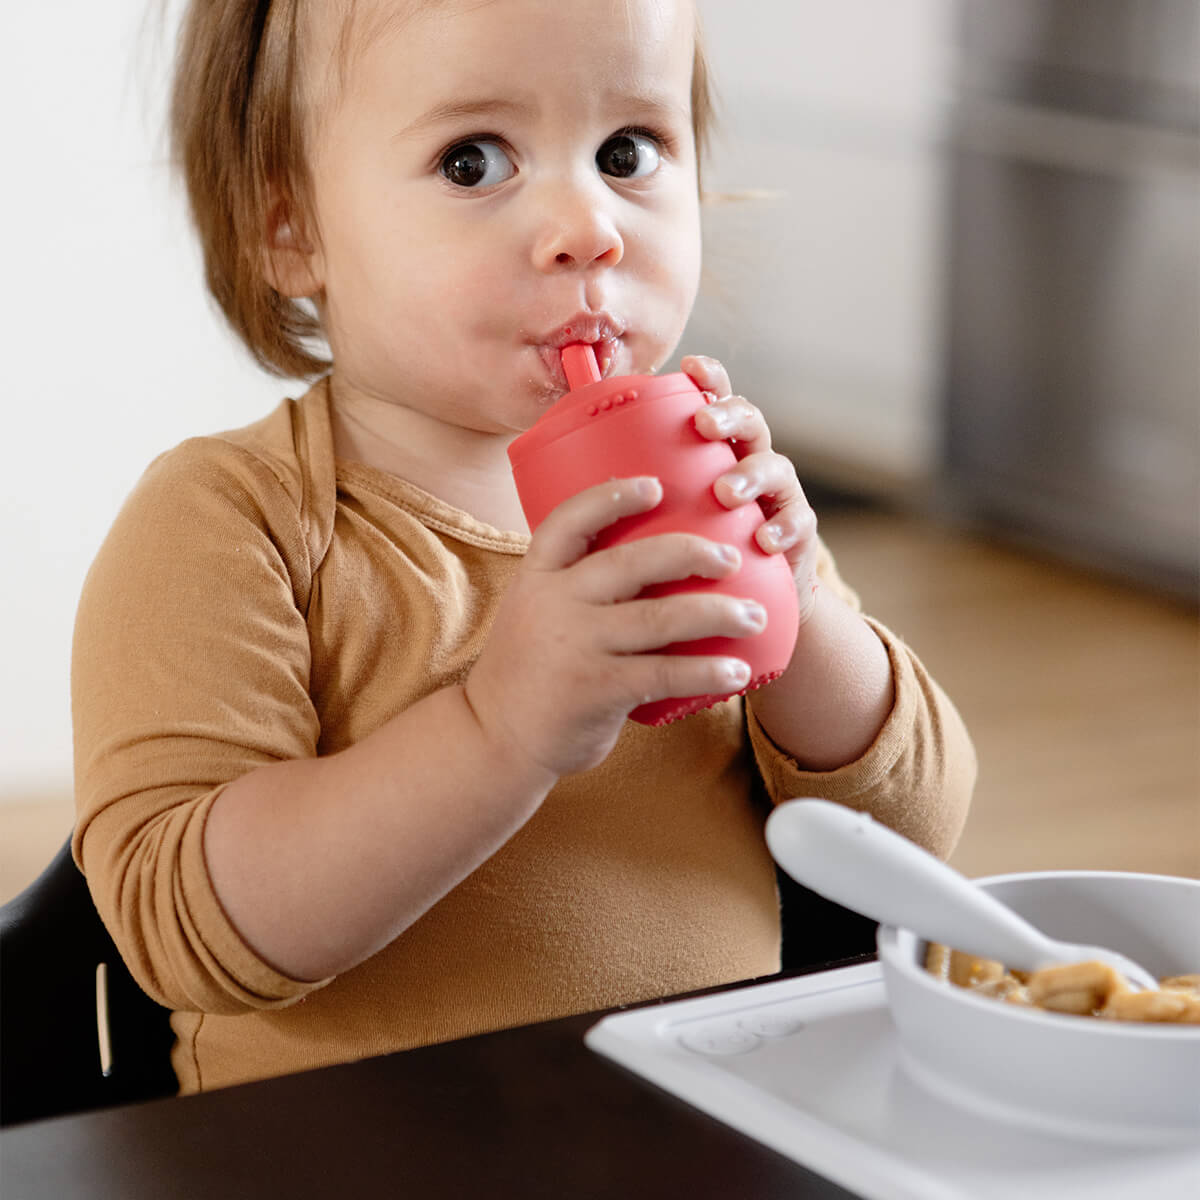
(292, 263)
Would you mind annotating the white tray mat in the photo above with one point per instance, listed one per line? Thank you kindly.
(810, 1067)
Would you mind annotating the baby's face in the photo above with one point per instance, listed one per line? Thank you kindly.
(496, 179)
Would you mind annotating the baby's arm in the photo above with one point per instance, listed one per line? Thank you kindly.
(218, 842)
(832, 701)
(430, 795)
(856, 715)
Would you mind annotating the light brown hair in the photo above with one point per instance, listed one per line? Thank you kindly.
(238, 122)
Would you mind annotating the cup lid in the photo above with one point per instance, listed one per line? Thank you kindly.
(591, 397)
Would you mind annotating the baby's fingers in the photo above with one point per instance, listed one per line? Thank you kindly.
(651, 624)
(665, 676)
(738, 421)
(566, 535)
(707, 374)
(623, 571)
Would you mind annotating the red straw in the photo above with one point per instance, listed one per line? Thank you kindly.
(579, 365)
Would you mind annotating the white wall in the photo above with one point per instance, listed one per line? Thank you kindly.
(827, 298)
(113, 353)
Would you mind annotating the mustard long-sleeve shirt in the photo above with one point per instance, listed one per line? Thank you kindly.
(256, 601)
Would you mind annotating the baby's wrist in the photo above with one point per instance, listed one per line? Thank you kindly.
(508, 760)
(807, 591)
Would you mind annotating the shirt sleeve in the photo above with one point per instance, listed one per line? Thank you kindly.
(190, 668)
(917, 776)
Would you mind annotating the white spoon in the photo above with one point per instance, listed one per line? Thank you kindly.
(847, 857)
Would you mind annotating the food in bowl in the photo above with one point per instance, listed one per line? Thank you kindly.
(1085, 989)
(1130, 1082)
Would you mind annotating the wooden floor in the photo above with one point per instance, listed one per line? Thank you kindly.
(1083, 697)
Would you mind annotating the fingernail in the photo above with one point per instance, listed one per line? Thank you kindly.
(721, 419)
(739, 485)
(774, 534)
(754, 615)
(647, 488)
(729, 555)
(737, 672)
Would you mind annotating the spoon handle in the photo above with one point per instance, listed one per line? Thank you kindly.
(850, 858)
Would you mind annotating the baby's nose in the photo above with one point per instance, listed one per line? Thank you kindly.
(576, 230)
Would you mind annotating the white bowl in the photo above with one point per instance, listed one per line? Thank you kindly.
(1079, 1076)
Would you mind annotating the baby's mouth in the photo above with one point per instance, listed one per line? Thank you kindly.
(606, 350)
(601, 330)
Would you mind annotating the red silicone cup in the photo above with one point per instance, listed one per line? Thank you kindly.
(644, 425)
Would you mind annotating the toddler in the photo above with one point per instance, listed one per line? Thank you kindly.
(353, 766)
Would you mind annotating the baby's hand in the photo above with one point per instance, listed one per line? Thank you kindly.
(790, 525)
(567, 658)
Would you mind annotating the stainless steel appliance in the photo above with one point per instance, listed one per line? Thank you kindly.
(1073, 380)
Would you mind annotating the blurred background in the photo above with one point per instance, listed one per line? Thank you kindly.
(953, 251)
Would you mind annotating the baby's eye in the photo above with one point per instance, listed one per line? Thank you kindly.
(628, 155)
(476, 164)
